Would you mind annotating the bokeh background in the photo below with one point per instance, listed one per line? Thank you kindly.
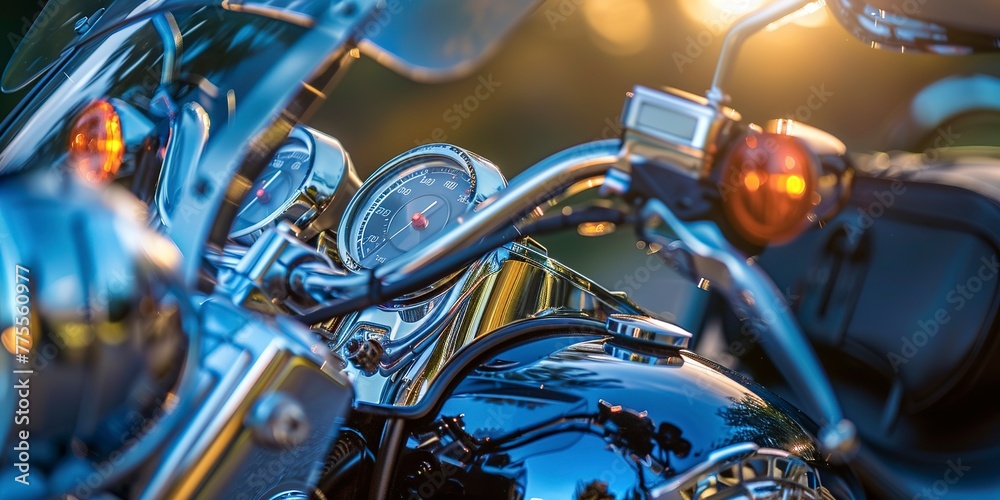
(561, 80)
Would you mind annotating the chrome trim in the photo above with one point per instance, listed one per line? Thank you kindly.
(642, 357)
(417, 340)
(317, 204)
(252, 359)
(901, 31)
(322, 282)
(291, 495)
(512, 283)
(330, 194)
(270, 11)
(189, 134)
(229, 257)
(648, 329)
(167, 27)
(260, 280)
(297, 140)
(715, 460)
(701, 250)
(732, 467)
(818, 140)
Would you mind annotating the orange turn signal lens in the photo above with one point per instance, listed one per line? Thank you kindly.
(768, 187)
(96, 145)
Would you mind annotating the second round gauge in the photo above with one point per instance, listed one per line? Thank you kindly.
(414, 208)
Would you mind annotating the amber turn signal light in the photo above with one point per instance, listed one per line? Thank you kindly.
(96, 144)
(768, 186)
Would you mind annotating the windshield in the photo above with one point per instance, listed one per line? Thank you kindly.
(216, 62)
(55, 30)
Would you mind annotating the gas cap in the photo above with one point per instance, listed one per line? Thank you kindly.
(649, 329)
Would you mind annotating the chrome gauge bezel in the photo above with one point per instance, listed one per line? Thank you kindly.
(296, 142)
(485, 179)
(320, 184)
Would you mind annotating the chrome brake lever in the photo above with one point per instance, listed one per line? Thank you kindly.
(701, 250)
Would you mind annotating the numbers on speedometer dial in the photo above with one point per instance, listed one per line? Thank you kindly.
(273, 189)
(416, 207)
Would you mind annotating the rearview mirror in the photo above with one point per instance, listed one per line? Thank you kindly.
(928, 26)
(438, 40)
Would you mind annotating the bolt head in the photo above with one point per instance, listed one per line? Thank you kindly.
(278, 421)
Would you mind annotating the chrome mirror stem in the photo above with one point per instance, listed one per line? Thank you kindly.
(740, 31)
(188, 137)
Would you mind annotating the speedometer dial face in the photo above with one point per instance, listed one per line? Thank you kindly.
(273, 191)
(412, 208)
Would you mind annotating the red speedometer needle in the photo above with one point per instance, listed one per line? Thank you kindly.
(419, 221)
(414, 219)
(261, 194)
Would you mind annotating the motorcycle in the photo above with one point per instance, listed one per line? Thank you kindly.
(235, 314)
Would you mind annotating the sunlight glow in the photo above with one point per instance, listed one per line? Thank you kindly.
(813, 15)
(719, 14)
(620, 27)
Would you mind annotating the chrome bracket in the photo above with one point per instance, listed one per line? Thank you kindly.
(648, 329)
(261, 279)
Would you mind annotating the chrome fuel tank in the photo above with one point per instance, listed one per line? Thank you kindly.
(592, 418)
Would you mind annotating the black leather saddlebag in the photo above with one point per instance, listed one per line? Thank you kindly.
(904, 282)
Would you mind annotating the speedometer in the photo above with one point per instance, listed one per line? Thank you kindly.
(270, 194)
(307, 183)
(414, 208)
(413, 199)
